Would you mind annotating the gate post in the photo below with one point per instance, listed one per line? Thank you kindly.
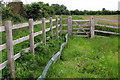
(57, 35)
(51, 29)
(43, 31)
(9, 45)
(60, 25)
(92, 25)
(31, 28)
(70, 26)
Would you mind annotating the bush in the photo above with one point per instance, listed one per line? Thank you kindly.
(38, 10)
(8, 15)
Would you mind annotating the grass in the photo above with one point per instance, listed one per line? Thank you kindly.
(87, 58)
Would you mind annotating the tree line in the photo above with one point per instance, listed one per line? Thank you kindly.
(40, 9)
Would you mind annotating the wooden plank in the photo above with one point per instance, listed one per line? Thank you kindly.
(2, 28)
(31, 29)
(80, 32)
(8, 29)
(43, 31)
(53, 20)
(57, 27)
(107, 32)
(15, 57)
(20, 40)
(51, 29)
(64, 30)
(18, 55)
(37, 33)
(80, 20)
(60, 25)
(81, 25)
(107, 26)
(64, 18)
(81, 28)
(81, 35)
(92, 27)
(106, 20)
(2, 47)
(3, 65)
(70, 27)
(46, 30)
(16, 26)
(64, 24)
(46, 21)
(37, 22)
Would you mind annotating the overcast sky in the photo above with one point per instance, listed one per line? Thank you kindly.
(82, 4)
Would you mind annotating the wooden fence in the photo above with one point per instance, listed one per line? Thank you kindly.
(10, 42)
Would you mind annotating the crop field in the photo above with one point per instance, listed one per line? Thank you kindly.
(81, 58)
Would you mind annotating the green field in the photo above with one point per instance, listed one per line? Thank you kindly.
(87, 58)
(82, 57)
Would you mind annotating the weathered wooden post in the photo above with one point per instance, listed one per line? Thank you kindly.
(70, 27)
(60, 25)
(9, 44)
(57, 27)
(51, 29)
(43, 30)
(92, 25)
(31, 28)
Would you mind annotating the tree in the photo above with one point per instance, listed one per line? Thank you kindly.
(103, 9)
(59, 9)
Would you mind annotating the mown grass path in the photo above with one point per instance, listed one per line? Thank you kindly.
(87, 58)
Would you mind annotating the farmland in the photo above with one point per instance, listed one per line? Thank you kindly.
(81, 58)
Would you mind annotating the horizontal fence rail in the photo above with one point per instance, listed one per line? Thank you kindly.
(81, 25)
(81, 28)
(107, 26)
(80, 20)
(107, 32)
(106, 20)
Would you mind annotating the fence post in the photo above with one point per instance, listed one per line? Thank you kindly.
(60, 25)
(70, 27)
(9, 44)
(31, 28)
(43, 30)
(51, 24)
(57, 27)
(92, 25)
